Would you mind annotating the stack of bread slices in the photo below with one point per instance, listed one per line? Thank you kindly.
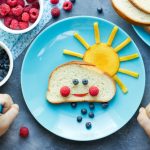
(136, 12)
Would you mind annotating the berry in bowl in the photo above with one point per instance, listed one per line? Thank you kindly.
(20, 16)
(6, 63)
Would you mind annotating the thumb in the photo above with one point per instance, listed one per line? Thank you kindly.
(11, 114)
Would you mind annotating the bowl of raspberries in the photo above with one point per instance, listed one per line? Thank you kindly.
(20, 16)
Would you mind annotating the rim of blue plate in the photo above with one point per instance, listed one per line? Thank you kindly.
(59, 22)
(142, 38)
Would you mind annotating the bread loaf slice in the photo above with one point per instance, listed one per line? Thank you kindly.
(66, 73)
(143, 5)
(130, 13)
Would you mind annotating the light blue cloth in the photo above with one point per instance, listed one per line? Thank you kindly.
(17, 43)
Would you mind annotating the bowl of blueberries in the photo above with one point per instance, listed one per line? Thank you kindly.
(6, 63)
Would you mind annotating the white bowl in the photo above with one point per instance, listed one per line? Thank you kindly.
(11, 63)
(3, 27)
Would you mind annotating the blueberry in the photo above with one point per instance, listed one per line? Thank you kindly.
(73, 1)
(105, 105)
(79, 118)
(91, 106)
(4, 73)
(91, 114)
(73, 105)
(88, 125)
(84, 81)
(84, 111)
(6, 67)
(1, 78)
(75, 81)
(99, 9)
(1, 73)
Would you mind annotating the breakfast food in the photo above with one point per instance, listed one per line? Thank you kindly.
(143, 5)
(130, 13)
(147, 29)
(79, 81)
(18, 16)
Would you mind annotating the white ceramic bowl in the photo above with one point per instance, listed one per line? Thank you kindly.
(3, 27)
(11, 63)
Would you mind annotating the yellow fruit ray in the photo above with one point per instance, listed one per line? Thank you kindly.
(128, 72)
(71, 53)
(129, 57)
(112, 36)
(122, 45)
(97, 33)
(81, 40)
(120, 83)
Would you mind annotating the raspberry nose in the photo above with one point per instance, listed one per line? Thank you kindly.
(65, 91)
(93, 90)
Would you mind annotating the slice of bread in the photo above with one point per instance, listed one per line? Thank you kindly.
(130, 13)
(66, 73)
(147, 28)
(143, 5)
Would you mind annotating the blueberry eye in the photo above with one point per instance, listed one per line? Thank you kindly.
(75, 81)
(84, 81)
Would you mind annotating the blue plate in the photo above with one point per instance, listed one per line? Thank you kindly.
(142, 34)
(45, 54)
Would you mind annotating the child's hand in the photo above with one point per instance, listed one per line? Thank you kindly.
(144, 119)
(9, 113)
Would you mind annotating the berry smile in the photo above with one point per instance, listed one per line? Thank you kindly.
(80, 95)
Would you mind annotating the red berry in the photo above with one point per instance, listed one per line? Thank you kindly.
(14, 24)
(54, 1)
(2, 1)
(10, 13)
(27, 8)
(24, 132)
(65, 91)
(32, 20)
(67, 6)
(23, 25)
(7, 21)
(4, 9)
(55, 12)
(12, 2)
(25, 16)
(93, 91)
(21, 2)
(36, 5)
(31, 1)
(17, 11)
(34, 13)
(19, 18)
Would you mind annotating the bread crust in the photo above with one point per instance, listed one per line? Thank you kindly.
(139, 7)
(93, 67)
(130, 20)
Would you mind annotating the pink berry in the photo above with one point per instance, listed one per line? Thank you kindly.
(14, 24)
(67, 5)
(34, 13)
(36, 5)
(10, 13)
(93, 91)
(21, 2)
(54, 1)
(23, 25)
(32, 20)
(31, 1)
(4, 9)
(25, 16)
(19, 18)
(2, 1)
(24, 132)
(27, 8)
(12, 3)
(17, 11)
(7, 21)
(55, 12)
(65, 91)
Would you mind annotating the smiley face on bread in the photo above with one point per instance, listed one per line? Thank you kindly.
(78, 82)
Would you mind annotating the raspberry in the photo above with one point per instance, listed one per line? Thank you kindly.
(27, 8)
(14, 24)
(23, 25)
(36, 5)
(10, 13)
(55, 12)
(32, 20)
(17, 11)
(67, 6)
(54, 1)
(34, 13)
(12, 2)
(21, 2)
(24, 132)
(65, 91)
(2, 1)
(19, 18)
(7, 21)
(31, 1)
(25, 16)
(4, 9)
(93, 91)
